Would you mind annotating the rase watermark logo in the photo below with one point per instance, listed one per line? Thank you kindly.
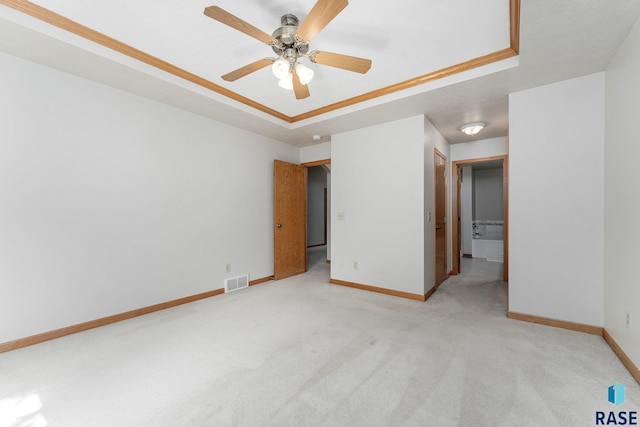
(619, 418)
(616, 394)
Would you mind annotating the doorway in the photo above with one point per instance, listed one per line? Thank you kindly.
(318, 215)
(317, 206)
(290, 217)
(486, 227)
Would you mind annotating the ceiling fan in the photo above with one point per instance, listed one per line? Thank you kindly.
(291, 42)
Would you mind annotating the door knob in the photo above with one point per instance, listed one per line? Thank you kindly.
(279, 225)
(438, 227)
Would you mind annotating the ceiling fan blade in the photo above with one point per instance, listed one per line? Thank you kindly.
(301, 91)
(320, 15)
(226, 18)
(247, 69)
(349, 63)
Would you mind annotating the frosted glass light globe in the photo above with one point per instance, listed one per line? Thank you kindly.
(286, 82)
(280, 68)
(305, 74)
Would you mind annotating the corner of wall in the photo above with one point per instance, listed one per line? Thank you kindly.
(622, 209)
(369, 166)
(556, 213)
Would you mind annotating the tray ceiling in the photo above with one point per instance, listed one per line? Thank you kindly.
(168, 50)
(407, 41)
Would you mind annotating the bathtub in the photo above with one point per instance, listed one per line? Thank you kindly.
(492, 250)
(487, 240)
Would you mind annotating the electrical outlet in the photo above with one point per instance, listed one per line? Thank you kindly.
(228, 267)
(355, 265)
(340, 216)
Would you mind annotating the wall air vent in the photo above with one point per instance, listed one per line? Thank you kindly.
(235, 283)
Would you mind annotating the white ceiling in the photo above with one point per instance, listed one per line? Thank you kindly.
(559, 39)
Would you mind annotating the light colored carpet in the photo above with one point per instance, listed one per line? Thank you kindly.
(301, 352)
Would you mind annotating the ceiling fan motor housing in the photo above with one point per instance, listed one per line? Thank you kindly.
(291, 42)
(286, 37)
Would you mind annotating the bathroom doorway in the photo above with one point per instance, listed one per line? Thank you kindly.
(486, 233)
(318, 218)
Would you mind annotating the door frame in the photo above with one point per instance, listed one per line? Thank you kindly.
(326, 225)
(311, 165)
(316, 163)
(438, 153)
(456, 238)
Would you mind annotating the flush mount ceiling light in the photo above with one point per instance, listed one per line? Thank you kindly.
(290, 43)
(472, 128)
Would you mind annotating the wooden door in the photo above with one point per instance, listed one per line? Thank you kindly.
(290, 219)
(457, 217)
(440, 167)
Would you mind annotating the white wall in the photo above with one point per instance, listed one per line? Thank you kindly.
(112, 202)
(377, 185)
(556, 200)
(480, 149)
(315, 152)
(622, 206)
(434, 140)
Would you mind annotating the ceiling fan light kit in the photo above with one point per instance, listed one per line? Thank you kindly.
(472, 129)
(286, 82)
(305, 73)
(280, 68)
(291, 42)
